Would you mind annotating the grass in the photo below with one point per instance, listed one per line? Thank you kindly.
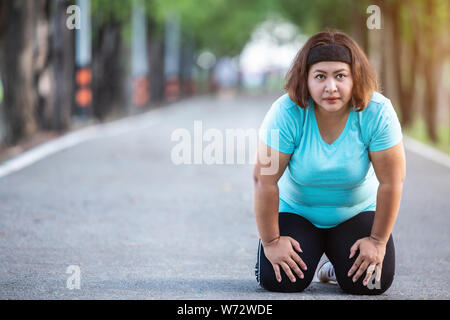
(418, 131)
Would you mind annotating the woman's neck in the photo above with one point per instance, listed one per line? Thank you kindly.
(331, 117)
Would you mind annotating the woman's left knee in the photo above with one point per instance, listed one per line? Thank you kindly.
(372, 288)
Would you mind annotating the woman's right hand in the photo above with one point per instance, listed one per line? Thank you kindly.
(280, 252)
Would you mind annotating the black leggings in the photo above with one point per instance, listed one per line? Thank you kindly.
(335, 243)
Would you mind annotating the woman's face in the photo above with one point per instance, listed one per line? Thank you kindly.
(330, 79)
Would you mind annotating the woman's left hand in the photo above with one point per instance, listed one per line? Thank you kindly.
(371, 255)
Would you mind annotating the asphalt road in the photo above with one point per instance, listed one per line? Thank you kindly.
(140, 227)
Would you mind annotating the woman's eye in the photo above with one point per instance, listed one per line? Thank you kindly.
(319, 76)
(340, 76)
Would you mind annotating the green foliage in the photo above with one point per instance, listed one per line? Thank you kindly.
(314, 16)
(222, 26)
(110, 13)
(105, 11)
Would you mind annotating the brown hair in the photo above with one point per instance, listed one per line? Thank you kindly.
(364, 77)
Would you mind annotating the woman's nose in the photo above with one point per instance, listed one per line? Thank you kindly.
(330, 86)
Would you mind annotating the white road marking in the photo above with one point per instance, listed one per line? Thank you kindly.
(426, 151)
(44, 150)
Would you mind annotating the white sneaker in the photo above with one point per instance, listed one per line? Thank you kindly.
(325, 272)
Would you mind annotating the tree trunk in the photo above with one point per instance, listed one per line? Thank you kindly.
(44, 82)
(187, 66)
(17, 42)
(54, 65)
(156, 62)
(109, 92)
(405, 71)
(63, 49)
(388, 61)
(407, 89)
(358, 26)
(430, 71)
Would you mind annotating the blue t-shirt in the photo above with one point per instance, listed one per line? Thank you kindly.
(330, 183)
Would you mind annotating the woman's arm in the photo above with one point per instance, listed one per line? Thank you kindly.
(279, 250)
(390, 169)
(270, 166)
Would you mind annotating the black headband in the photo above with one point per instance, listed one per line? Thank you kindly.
(328, 52)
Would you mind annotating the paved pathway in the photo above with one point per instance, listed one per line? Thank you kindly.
(140, 227)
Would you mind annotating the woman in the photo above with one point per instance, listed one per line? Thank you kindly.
(339, 169)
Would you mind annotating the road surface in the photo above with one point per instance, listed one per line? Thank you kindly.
(138, 226)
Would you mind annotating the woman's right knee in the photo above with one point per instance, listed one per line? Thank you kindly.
(265, 274)
(270, 283)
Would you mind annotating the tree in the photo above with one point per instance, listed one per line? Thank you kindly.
(110, 17)
(17, 69)
(36, 67)
(436, 13)
(60, 62)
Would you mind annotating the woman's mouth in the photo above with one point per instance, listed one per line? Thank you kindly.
(332, 100)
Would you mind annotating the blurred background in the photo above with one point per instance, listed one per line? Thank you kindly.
(67, 64)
